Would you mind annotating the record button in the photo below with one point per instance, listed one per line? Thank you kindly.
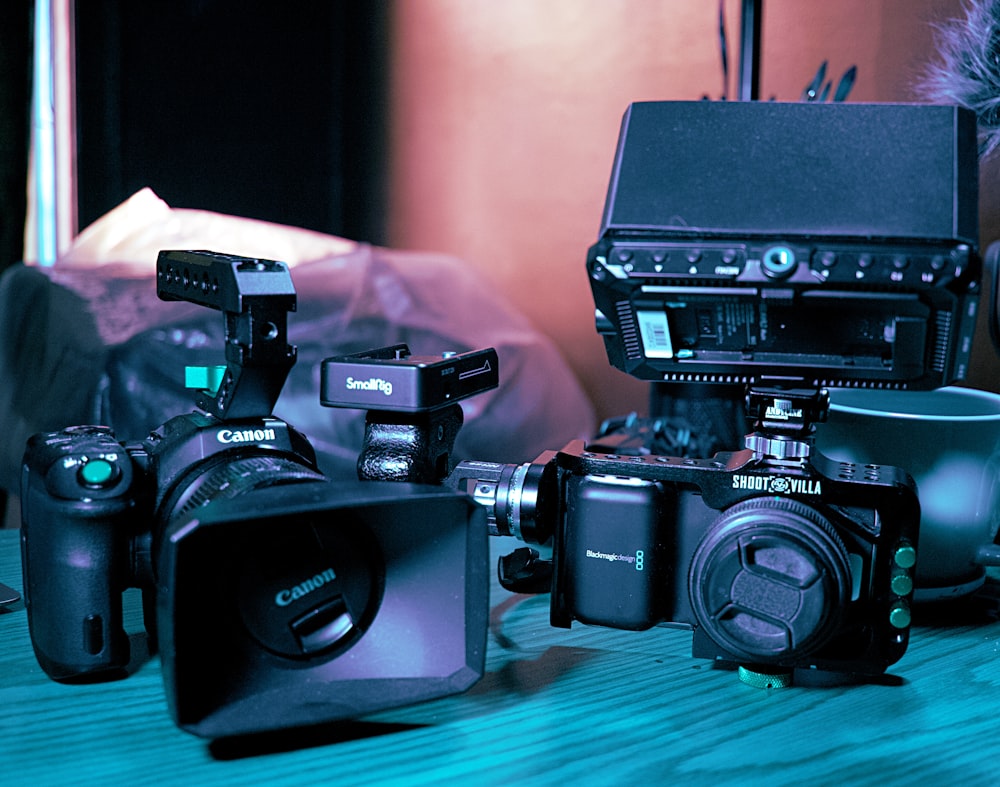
(97, 473)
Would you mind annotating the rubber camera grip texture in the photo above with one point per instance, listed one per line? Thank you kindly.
(75, 557)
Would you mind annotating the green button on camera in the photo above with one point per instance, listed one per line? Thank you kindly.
(97, 472)
(905, 556)
(899, 616)
(901, 584)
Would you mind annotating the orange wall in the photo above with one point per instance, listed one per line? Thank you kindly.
(505, 117)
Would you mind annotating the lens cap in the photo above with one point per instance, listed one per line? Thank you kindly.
(312, 590)
(770, 579)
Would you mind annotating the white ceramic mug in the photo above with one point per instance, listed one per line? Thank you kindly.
(949, 441)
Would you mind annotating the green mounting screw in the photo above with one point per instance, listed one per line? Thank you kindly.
(763, 678)
(899, 615)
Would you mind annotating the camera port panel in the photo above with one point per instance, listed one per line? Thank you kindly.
(825, 311)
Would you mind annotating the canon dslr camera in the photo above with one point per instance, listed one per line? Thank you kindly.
(278, 598)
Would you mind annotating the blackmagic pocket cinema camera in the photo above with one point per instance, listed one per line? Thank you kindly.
(786, 248)
(783, 248)
(777, 557)
(277, 598)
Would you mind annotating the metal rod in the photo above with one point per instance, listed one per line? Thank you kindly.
(750, 50)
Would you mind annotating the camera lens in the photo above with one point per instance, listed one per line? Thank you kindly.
(522, 499)
(219, 477)
(770, 579)
(227, 477)
(517, 498)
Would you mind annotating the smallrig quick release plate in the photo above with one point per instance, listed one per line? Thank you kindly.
(392, 379)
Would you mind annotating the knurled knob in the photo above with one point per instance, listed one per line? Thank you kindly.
(776, 447)
(763, 678)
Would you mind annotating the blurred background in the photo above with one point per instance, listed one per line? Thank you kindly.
(481, 129)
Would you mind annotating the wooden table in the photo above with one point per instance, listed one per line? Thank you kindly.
(586, 706)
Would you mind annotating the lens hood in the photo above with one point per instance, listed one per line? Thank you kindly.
(310, 603)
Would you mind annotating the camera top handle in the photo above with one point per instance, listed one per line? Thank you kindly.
(255, 295)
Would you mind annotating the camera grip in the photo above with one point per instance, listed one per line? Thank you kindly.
(415, 447)
(75, 493)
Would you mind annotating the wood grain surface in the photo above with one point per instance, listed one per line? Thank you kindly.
(584, 706)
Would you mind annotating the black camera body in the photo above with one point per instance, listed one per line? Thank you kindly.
(777, 557)
(85, 492)
(276, 597)
(793, 566)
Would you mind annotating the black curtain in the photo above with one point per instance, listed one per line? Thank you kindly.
(270, 110)
(15, 104)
